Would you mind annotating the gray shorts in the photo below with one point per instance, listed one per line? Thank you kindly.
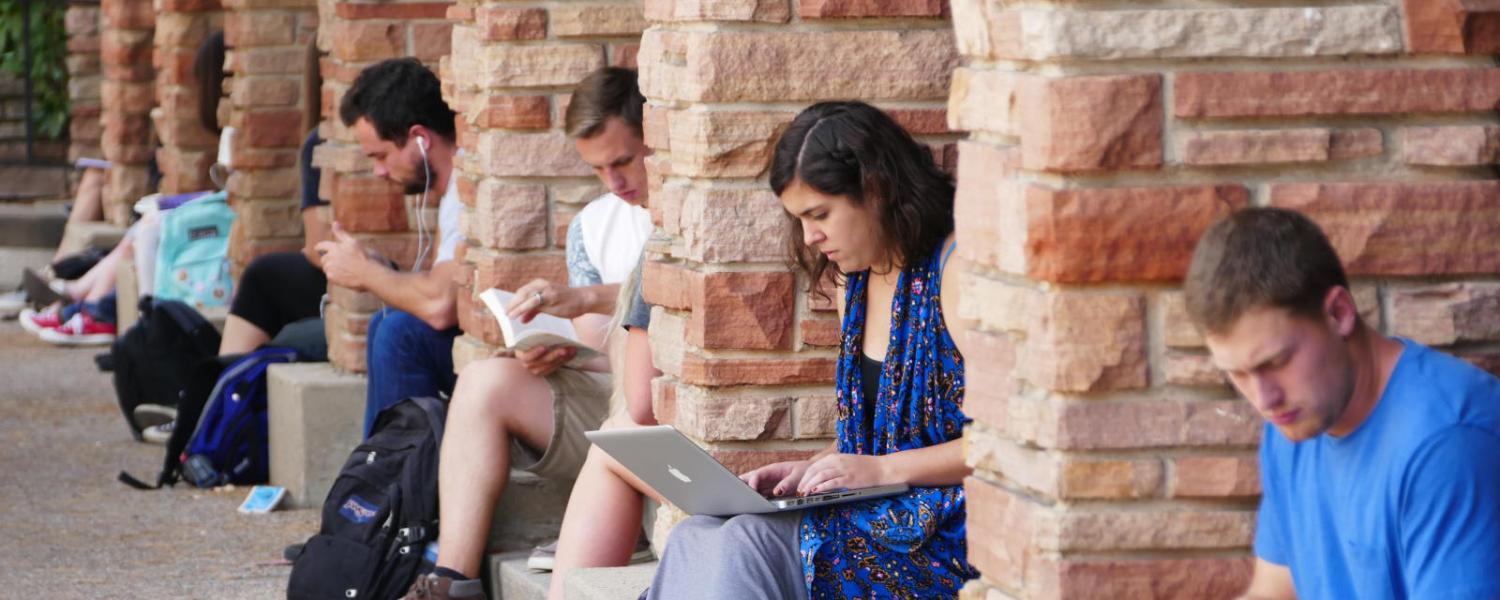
(580, 402)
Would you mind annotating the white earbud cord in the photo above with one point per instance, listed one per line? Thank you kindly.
(423, 239)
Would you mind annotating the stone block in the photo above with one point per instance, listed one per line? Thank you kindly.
(610, 583)
(1217, 148)
(1447, 313)
(1452, 26)
(1225, 476)
(511, 580)
(316, 419)
(746, 66)
(1403, 228)
(847, 9)
(722, 225)
(742, 310)
(764, 11)
(722, 143)
(1047, 34)
(1091, 123)
(1226, 94)
(1454, 146)
(1115, 234)
(597, 20)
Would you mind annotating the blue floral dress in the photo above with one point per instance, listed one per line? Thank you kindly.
(911, 545)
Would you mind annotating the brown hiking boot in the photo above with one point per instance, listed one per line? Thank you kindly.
(433, 587)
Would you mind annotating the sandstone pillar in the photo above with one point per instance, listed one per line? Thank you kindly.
(510, 76)
(84, 110)
(265, 66)
(127, 96)
(355, 35)
(747, 355)
(1111, 460)
(187, 146)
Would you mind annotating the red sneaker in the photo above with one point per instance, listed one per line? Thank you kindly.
(36, 322)
(81, 330)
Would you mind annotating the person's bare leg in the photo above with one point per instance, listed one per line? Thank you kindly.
(603, 519)
(494, 400)
(241, 336)
(100, 278)
(88, 201)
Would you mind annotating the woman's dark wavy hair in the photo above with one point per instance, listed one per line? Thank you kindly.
(853, 149)
(208, 68)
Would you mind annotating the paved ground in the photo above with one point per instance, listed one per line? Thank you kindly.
(72, 531)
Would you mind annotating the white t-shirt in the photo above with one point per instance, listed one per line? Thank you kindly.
(450, 235)
(611, 234)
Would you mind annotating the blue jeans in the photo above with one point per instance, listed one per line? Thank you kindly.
(405, 357)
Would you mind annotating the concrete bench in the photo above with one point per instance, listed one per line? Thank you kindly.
(316, 419)
(511, 580)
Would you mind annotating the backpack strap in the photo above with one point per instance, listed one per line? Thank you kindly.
(437, 414)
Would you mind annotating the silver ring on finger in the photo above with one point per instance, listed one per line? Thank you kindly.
(539, 300)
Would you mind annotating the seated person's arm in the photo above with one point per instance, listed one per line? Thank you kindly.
(428, 295)
(639, 371)
(1270, 581)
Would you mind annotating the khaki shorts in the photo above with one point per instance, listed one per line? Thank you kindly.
(580, 402)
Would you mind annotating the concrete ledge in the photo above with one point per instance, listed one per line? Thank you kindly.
(511, 580)
(611, 583)
(316, 419)
(38, 225)
(97, 234)
(14, 259)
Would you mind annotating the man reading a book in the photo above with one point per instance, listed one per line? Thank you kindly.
(405, 128)
(532, 408)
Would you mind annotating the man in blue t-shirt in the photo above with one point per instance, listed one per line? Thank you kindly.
(1380, 463)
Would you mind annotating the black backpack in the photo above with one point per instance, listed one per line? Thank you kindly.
(380, 514)
(157, 357)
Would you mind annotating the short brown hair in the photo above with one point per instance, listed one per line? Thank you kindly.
(608, 92)
(1260, 257)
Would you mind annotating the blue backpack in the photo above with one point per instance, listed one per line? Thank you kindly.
(192, 262)
(229, 445)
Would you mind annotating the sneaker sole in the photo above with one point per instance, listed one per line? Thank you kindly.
(92, 339)
(147, 415)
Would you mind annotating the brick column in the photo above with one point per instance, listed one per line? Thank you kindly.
(748, 358)
(84, 126)
(510, 77)
(128, 95)
(356, 35)
(187, 147)
(264, 67)
(1111, 460)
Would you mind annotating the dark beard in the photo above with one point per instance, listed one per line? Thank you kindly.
(424, 176)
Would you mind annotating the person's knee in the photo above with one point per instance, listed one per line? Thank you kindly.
(398, 330)
(483, 385)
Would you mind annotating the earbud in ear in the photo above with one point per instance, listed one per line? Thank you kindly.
(422, 143)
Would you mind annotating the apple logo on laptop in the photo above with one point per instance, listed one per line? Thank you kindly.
(678, 474)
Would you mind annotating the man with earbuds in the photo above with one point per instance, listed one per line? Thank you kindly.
(404, 127)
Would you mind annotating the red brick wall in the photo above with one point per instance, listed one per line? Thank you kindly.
(520, 176)
(265, 67)
(355, 35)
(747, 356)
(187, 147)
(126, 97)
(1111, 460)
(84, 77)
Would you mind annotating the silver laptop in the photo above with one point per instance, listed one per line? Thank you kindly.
(688, 477)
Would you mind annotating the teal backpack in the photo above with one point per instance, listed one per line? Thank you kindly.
(192, 264)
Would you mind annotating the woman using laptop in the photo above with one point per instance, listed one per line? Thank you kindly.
(869, 211)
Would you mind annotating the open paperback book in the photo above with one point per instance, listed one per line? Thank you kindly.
(544, 330)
